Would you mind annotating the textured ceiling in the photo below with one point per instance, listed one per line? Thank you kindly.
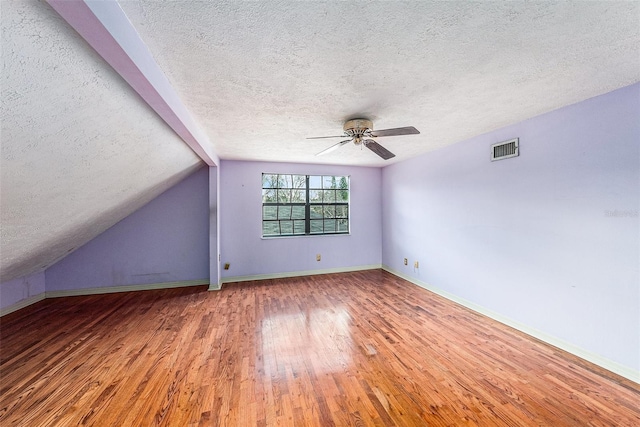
(81, 150)
(260, 77)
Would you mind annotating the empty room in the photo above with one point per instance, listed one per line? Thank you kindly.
(320, 213)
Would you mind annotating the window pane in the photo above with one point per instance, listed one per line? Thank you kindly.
(298, 196)
(286, 227)
(329, 211)
(329, 225)
(316, 211)
(269, 180)
(286, 181)
(315, 181)
(329, 182)
(270, 228)
(298, 227)
(299, 181)
(316, 226)
(329, 196)
(315, 196)
(343, 225)
(268, 195)
(342, 196)
(342, 211)
(284, 212)
(297, 212)
(284, 196)
(269, 212)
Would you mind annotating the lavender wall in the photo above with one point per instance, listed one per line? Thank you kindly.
(549, 239)
(20, 289)
(241, 223)
(165, 241)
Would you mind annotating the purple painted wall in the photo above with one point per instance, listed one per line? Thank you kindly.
(549, 239)
(241, 223)
(22, 288)
(165, 241)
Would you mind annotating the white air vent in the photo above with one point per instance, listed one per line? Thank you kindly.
(504, 150)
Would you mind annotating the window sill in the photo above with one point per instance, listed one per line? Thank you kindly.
(303, 236)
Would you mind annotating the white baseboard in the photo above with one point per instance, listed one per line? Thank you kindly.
(299, 273)
(603, 362)
(97, 291)
(22, 304)
(125, 288)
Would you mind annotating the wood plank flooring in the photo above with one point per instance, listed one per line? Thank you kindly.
(352, 349)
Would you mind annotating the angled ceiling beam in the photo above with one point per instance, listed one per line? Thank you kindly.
(104, 25)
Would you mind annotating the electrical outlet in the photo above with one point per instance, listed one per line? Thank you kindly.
(415, 265)
(406, 261)
(318, 257)
(226, 266)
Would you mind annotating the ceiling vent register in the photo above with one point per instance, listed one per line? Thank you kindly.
(505, 150)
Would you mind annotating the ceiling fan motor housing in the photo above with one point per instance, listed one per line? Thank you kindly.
(357, 126)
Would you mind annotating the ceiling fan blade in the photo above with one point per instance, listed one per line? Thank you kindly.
(378, 149)
(409, 130)
(323, 137)
(333, 147)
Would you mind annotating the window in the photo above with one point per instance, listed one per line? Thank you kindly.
(295, 205)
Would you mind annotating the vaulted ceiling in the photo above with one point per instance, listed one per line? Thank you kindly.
(81, 149)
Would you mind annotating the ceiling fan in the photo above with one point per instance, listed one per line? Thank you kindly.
(360, 132)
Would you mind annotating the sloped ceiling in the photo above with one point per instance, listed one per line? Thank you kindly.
(81, 150)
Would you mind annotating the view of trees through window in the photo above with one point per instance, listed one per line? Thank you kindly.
(304, 204)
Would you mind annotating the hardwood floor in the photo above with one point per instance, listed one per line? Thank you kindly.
(361, 349)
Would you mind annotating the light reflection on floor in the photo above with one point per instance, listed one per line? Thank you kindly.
(320, 338)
